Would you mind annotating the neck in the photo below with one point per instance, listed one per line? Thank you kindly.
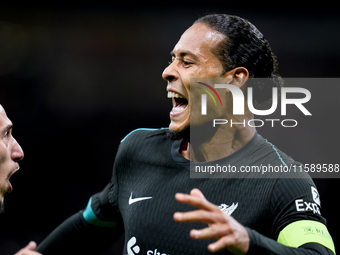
(224, 141)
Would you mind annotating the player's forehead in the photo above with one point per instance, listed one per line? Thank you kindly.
(199, 39)
(4, 121)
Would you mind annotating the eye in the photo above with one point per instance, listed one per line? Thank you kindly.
(172, 60)
(187, 63)
(6, 137)
(7, 134)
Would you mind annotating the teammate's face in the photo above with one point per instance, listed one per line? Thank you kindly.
(10, 154)
(192, 57)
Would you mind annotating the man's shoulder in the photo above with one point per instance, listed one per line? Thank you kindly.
(272, 162)
(142, 134)
(267, 150)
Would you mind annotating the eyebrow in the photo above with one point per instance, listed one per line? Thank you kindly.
(7, 128)
(184, 53)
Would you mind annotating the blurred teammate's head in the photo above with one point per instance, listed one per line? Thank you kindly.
(10, 154)
(216, 45)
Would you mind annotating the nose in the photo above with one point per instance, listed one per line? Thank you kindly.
(170, 73)
(17, 152)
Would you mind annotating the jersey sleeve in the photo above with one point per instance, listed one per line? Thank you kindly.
(77, 236)
(296, 207)
(102, 208)
(298, 227)
(260, 244)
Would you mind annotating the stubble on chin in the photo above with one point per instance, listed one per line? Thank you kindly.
(175, 135)
(2, 207)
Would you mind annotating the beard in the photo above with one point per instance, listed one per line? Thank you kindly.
(173, 135)
(2, 207)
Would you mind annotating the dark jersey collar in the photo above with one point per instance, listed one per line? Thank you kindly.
(234, 157)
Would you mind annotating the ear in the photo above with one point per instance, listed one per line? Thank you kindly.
(239, 76)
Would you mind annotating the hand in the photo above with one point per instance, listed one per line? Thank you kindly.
(28, 250)
(230, 234)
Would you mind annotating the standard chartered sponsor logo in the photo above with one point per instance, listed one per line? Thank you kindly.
(133, 248)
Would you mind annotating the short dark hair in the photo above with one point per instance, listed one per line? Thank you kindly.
(245, 46)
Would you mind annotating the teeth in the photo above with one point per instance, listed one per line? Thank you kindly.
(178, 109)
(173, 94)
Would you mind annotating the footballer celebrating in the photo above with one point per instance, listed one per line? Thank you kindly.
(151, 198)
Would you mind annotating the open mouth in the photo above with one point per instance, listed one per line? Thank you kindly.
(179, 102)
(10, 187)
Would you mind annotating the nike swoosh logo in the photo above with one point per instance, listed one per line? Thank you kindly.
(134, 200)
